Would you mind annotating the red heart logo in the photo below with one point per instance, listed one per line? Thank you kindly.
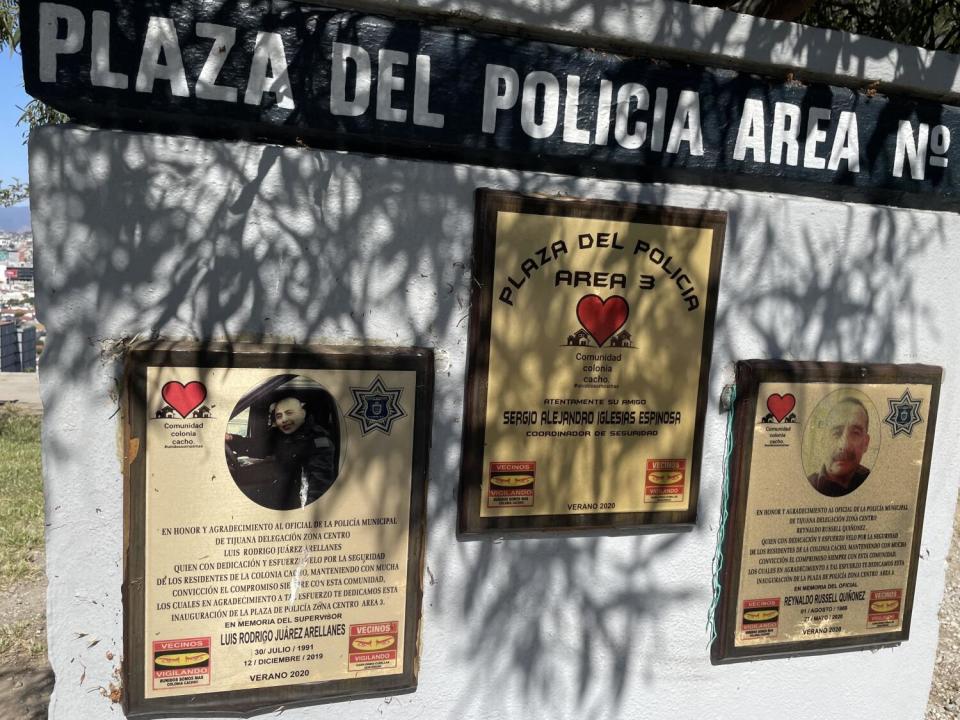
(781, 405)
(183, 398)
(602, 318)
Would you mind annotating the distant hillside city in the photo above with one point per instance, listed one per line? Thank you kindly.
(21, 336)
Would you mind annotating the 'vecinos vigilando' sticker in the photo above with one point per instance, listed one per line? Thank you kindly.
(372, 646)
(511, 484)
(884, 609)
(181, 663)
(760, 618)
(664, 480)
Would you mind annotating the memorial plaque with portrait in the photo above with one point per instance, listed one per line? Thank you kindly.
(591, 326)
(273, 524)
(829, 477)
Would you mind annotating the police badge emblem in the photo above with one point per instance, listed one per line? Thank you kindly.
(904, 414)
(376, 407)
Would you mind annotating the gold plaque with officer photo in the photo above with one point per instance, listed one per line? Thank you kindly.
(276, 501)
(823, 535)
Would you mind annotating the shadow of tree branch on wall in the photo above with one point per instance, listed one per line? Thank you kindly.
(182, 238)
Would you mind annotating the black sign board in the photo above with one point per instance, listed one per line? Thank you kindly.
(303, 73)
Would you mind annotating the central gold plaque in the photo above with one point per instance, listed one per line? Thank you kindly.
(591, 328)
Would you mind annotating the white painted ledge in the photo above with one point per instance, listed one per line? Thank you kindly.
(707, 36)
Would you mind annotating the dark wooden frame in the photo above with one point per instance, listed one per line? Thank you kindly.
(243, 703)
(488, 204)
(750, 374)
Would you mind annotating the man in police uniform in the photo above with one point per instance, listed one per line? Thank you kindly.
(303, 451)
(841, 442)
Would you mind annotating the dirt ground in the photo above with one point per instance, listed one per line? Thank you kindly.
(945, 693)
(26, 679)
(21, 389)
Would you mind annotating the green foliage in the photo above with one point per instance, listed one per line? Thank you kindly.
(933, 24)
(13, 193)
(9, 24)
(37, 114)
(21, 496)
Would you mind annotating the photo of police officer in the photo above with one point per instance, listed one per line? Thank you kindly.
(283, 443)
(836, 441)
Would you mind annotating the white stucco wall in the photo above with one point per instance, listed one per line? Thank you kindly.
(141, 234)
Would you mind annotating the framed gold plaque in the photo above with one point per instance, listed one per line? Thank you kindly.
(274, 519)
(829, 478)
(591, 326)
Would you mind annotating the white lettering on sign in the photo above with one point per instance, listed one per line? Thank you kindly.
(572, 132)
(391, 79)
(785, 135)
(268, 72)
(421, 96)
(659, 120)
(162, 38)
(846, 143)
(550, 104)
(50, 44)
(224, 38)
(915, 153)
(339, 105)
(582, 108)
(388, 83)
(939, 144)
(540, 109)
(750, 136)
(100, 73)
(630, 98)
(815, 136)
(914, 148)
(604, 104)
(501, 87)
(686, 124)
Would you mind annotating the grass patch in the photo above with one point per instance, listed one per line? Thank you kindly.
(21, 497)
(27, 638)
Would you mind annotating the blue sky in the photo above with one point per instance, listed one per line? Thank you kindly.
(13, 153)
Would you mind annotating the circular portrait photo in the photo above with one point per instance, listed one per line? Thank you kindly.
(283, 442)
(838, 451)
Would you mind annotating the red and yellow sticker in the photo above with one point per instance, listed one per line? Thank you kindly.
(511, 484)
(883, 610)
(184, 662)
(665, 480)
(373, 646)
(760, 618)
